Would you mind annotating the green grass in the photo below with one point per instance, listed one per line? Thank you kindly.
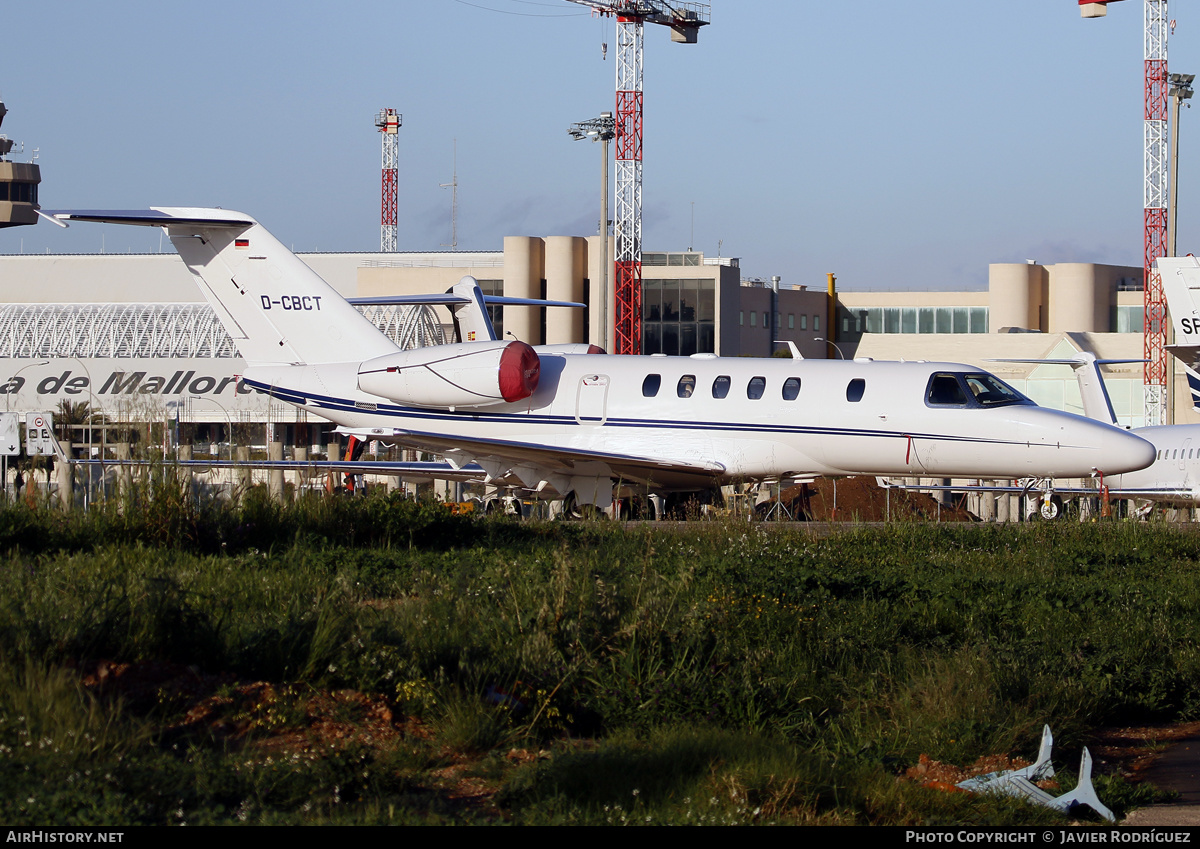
(730, 673)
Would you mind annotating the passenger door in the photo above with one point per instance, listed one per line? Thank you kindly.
(591, 400)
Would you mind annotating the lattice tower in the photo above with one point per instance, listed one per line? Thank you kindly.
(1155, 191)
(388, 123)
(684, 19)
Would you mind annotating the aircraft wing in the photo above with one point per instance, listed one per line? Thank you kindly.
(1014, 489)
(534, 464)
(406, 470)
(488, 461)
(1153, 493)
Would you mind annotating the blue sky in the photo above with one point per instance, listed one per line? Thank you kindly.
(900, 145)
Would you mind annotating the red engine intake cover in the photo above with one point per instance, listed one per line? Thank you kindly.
(520, 369)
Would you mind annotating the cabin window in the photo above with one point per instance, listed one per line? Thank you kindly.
(756, 387)
(651, 384)
(855, 389)
(791, 388)
(687, 385)
(945, 391)
(720, 386)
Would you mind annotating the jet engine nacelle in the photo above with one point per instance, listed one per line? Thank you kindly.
(467, 374)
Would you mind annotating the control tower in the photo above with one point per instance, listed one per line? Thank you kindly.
(18, 185)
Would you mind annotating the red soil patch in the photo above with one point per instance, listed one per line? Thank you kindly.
(861, 499)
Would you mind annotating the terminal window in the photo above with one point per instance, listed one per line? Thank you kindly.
(679, 317)
(916, 320)
(1128, 319)
(18, 192)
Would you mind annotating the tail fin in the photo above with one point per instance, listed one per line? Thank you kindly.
(471, 320)
(1092, 390)
(1181, 288)
(277, 309)
(1193, 380)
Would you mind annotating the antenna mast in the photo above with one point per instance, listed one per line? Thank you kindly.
(388, 123)
(453, 187)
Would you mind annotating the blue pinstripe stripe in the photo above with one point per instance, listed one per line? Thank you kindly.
(399, 411)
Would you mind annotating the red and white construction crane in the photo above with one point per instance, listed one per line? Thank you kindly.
(388, 123)
(1155, 195)
(685, 20)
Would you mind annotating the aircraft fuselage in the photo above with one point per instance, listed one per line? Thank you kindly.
(744, 418)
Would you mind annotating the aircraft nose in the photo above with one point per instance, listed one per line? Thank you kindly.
(1122, 452)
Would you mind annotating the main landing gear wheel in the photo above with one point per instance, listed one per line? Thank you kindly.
(633, 509)
(572, 509)
(1051, 508)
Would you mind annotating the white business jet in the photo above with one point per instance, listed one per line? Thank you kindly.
(1173, 477)
(573, 423)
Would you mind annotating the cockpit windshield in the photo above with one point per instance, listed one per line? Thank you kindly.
(979, 389)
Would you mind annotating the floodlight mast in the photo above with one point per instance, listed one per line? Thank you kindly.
(685, 20)
(602, 129)
(1180, 90)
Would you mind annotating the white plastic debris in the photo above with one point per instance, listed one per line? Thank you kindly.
(1020, 782)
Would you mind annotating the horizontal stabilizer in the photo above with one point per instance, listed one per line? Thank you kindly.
(156, 216)
(447, 299)
(1096, 402)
